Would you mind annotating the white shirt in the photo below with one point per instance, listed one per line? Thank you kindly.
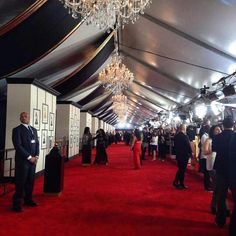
(27, 126)
(154, 140)
(205, 136)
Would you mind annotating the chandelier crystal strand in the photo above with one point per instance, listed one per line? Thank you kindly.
(120, 106)
(107, 13)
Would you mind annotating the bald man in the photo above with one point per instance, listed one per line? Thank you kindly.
(26, 144)
(183, 153)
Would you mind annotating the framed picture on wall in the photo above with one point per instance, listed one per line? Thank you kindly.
(36, 119)
(44, 113)
(51, 121)
(44, 136)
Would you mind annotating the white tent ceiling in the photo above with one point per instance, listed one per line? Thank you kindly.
(176, 48)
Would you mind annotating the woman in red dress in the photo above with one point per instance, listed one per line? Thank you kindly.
(136, 148)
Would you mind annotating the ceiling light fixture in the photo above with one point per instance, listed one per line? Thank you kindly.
(107, 13)
(120, 106)
(116, 77)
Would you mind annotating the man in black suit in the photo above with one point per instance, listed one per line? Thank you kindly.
(26, 144)
(183, 152)
(221, 145)
(232, 183)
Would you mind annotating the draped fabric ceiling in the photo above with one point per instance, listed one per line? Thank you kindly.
(176, 48)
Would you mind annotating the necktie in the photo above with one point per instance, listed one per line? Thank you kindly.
(31, 131)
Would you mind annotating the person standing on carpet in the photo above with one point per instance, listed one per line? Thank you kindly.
(86, 147)
(203, 159)
(144, 138)
(154, 144)
(183, 153)
(26, 144)
(221, 145)
(161, 145)
(136, 148)
(101, 154)
(232, 183)
(207, 151)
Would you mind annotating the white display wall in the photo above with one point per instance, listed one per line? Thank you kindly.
(68, 127)
(101, 124)
(41, 106)
(110, 128)
(105, 126)
(94, 126)
(85, 121)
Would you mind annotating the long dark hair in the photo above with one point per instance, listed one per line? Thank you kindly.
(137, 134)
(211, 132)
(86, 130)
(102, 132)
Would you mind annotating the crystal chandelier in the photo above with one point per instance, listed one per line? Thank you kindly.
(122, 119)
(116, 77)
(119, 98)
(107, 13)
(120, 106)
(121, 109)
(119, 103)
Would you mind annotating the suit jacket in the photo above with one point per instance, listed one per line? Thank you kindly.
(22, 140)
(220, 145)
(232, 162)
(182, 146)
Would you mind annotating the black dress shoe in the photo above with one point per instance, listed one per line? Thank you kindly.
(17, 209)
(31, 204)
(220, 225)
(182, 186)
(210, 190)
(175, 184)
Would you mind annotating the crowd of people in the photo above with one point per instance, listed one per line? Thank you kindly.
(217, 163)
(217, 158)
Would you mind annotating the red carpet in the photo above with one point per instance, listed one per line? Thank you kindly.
(115, 200)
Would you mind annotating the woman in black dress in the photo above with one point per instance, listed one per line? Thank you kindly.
(86, 147)
(161, 145)
(101, 154)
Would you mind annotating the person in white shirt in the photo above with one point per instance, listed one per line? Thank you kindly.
(207, 151)
(154, 144)
(203, 158)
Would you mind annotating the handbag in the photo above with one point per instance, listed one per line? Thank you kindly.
(210, 161)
